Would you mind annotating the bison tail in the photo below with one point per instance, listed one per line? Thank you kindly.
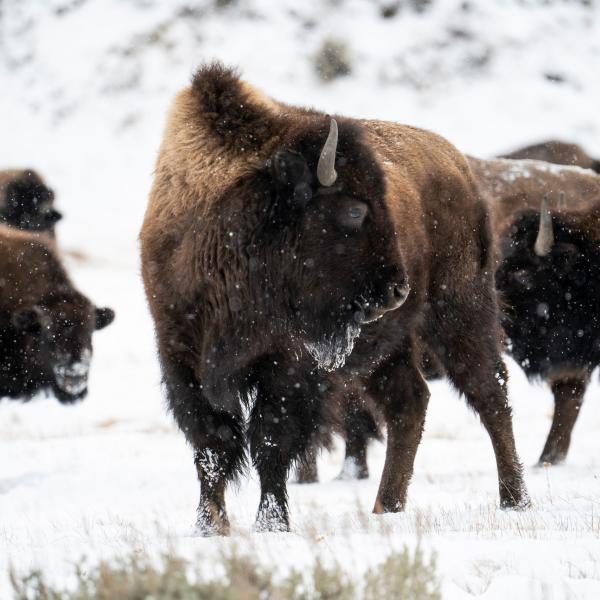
(484, 235)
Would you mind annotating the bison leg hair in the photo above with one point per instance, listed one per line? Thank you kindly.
(284, 422)
(400, 390)
(217, 438)
(568, 397)
(306, 469)
(360, 427)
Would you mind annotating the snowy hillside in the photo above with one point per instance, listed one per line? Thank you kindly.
(85, 88)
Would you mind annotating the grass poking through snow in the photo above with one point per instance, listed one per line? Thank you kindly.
(402, 574)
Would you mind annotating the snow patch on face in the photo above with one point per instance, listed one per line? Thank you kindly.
(271, 516)
(332, 351)
(72, 378)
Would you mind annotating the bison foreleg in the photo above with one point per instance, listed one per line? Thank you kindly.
(217, 438)
(283, 424)
(568, 397)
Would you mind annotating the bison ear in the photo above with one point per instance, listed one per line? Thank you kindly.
(28, 320)
(104, 317)
(51, 217)
(292, 176)
(288, 167)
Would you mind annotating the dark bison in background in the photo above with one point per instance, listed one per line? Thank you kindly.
(555, 151)
(277, 255)
(26, 202)
(546, 223)
(46, 325)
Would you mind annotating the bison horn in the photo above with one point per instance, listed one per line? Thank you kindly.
(326, 173)
(562, 201)
(545, 236)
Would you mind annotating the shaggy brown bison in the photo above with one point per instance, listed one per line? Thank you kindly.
(46, 325)
(555, 151)
(546, 222)
(26, 202)
(278, 248)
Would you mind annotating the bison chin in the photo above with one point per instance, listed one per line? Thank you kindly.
(332, 349)
(71, 380)
(65, 396)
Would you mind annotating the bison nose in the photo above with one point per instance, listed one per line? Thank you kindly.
(396, 295)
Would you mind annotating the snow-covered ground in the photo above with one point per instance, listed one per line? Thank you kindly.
(85, 86)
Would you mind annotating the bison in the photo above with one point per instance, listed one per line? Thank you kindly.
(547, 223)
(26, 202)
(46, 325)
(555, 151)
(284, 251)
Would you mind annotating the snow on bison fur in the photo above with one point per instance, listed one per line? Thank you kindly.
(278, 248)
(26, 202)
(46, 325)
(555, 151)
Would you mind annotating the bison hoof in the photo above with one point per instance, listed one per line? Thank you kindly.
(272, 516)
(515, 501)
(211, 529)
(549, 460)
(352, 469)
(382, 507)
(210, 523)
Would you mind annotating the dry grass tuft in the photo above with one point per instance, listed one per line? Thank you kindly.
(137, 577)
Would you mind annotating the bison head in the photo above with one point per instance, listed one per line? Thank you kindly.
(29, 204)
(336, 251)
(58, 342)
(549, 279)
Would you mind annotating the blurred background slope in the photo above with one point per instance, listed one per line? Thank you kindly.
(86, 83)
(85, 86)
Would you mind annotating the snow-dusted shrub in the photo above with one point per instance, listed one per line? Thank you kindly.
(135, 577)
(332, 59)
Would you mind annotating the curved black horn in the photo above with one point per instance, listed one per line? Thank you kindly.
(326, 173)
(545, 236)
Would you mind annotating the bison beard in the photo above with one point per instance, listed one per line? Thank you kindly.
(271, 256)
(331, 351)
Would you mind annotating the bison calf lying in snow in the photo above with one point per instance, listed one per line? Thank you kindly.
(46, 325)
(561, 153)
(26, 202)
(276, 249)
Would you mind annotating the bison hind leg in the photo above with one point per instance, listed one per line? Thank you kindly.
(568, 398)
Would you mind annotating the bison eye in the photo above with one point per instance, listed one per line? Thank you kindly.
(352, 214)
